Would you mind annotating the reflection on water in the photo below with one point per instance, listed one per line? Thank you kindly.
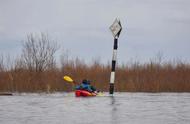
(114, 114)
(122, 108)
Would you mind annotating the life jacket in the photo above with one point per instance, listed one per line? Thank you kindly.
(84, 86)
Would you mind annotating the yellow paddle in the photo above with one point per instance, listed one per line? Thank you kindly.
(68, 79)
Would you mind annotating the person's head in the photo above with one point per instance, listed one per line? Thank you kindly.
(84, 81)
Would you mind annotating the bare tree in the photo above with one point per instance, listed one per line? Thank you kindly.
(1, 63)
(6, 62)
(38, 52)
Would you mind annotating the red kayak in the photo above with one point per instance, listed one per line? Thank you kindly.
(83, 93)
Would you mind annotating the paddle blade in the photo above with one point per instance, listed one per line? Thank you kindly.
(100, 94)
(68, 79)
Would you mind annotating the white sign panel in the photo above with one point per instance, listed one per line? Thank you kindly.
(115, 28)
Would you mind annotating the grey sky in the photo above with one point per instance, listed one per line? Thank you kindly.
(82, 27)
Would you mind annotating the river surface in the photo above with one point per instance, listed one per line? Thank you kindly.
(122, 108)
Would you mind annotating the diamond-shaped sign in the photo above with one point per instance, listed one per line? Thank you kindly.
(116, 28)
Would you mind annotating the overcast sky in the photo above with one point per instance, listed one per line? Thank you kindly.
(82, 27)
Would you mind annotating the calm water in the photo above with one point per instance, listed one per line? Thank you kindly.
(122, 108)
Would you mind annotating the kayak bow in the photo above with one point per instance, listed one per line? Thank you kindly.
(84, 93)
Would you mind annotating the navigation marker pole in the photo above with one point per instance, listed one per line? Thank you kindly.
(116, 30)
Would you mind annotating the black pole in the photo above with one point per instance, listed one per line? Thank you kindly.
(114, 57)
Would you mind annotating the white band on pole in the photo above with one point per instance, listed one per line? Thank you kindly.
(114, 57)
(112, 77)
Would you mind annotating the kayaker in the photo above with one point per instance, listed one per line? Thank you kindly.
(86, 85)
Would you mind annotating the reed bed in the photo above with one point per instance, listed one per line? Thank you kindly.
(36, 71)
(150, 77)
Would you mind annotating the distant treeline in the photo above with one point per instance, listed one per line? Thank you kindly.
(36, 71)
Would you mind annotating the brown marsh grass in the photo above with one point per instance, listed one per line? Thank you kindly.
(36, 71)
(150, 77)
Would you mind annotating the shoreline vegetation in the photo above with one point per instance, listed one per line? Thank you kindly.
(36, 71)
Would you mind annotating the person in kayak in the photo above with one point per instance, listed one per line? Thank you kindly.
(86, 85)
